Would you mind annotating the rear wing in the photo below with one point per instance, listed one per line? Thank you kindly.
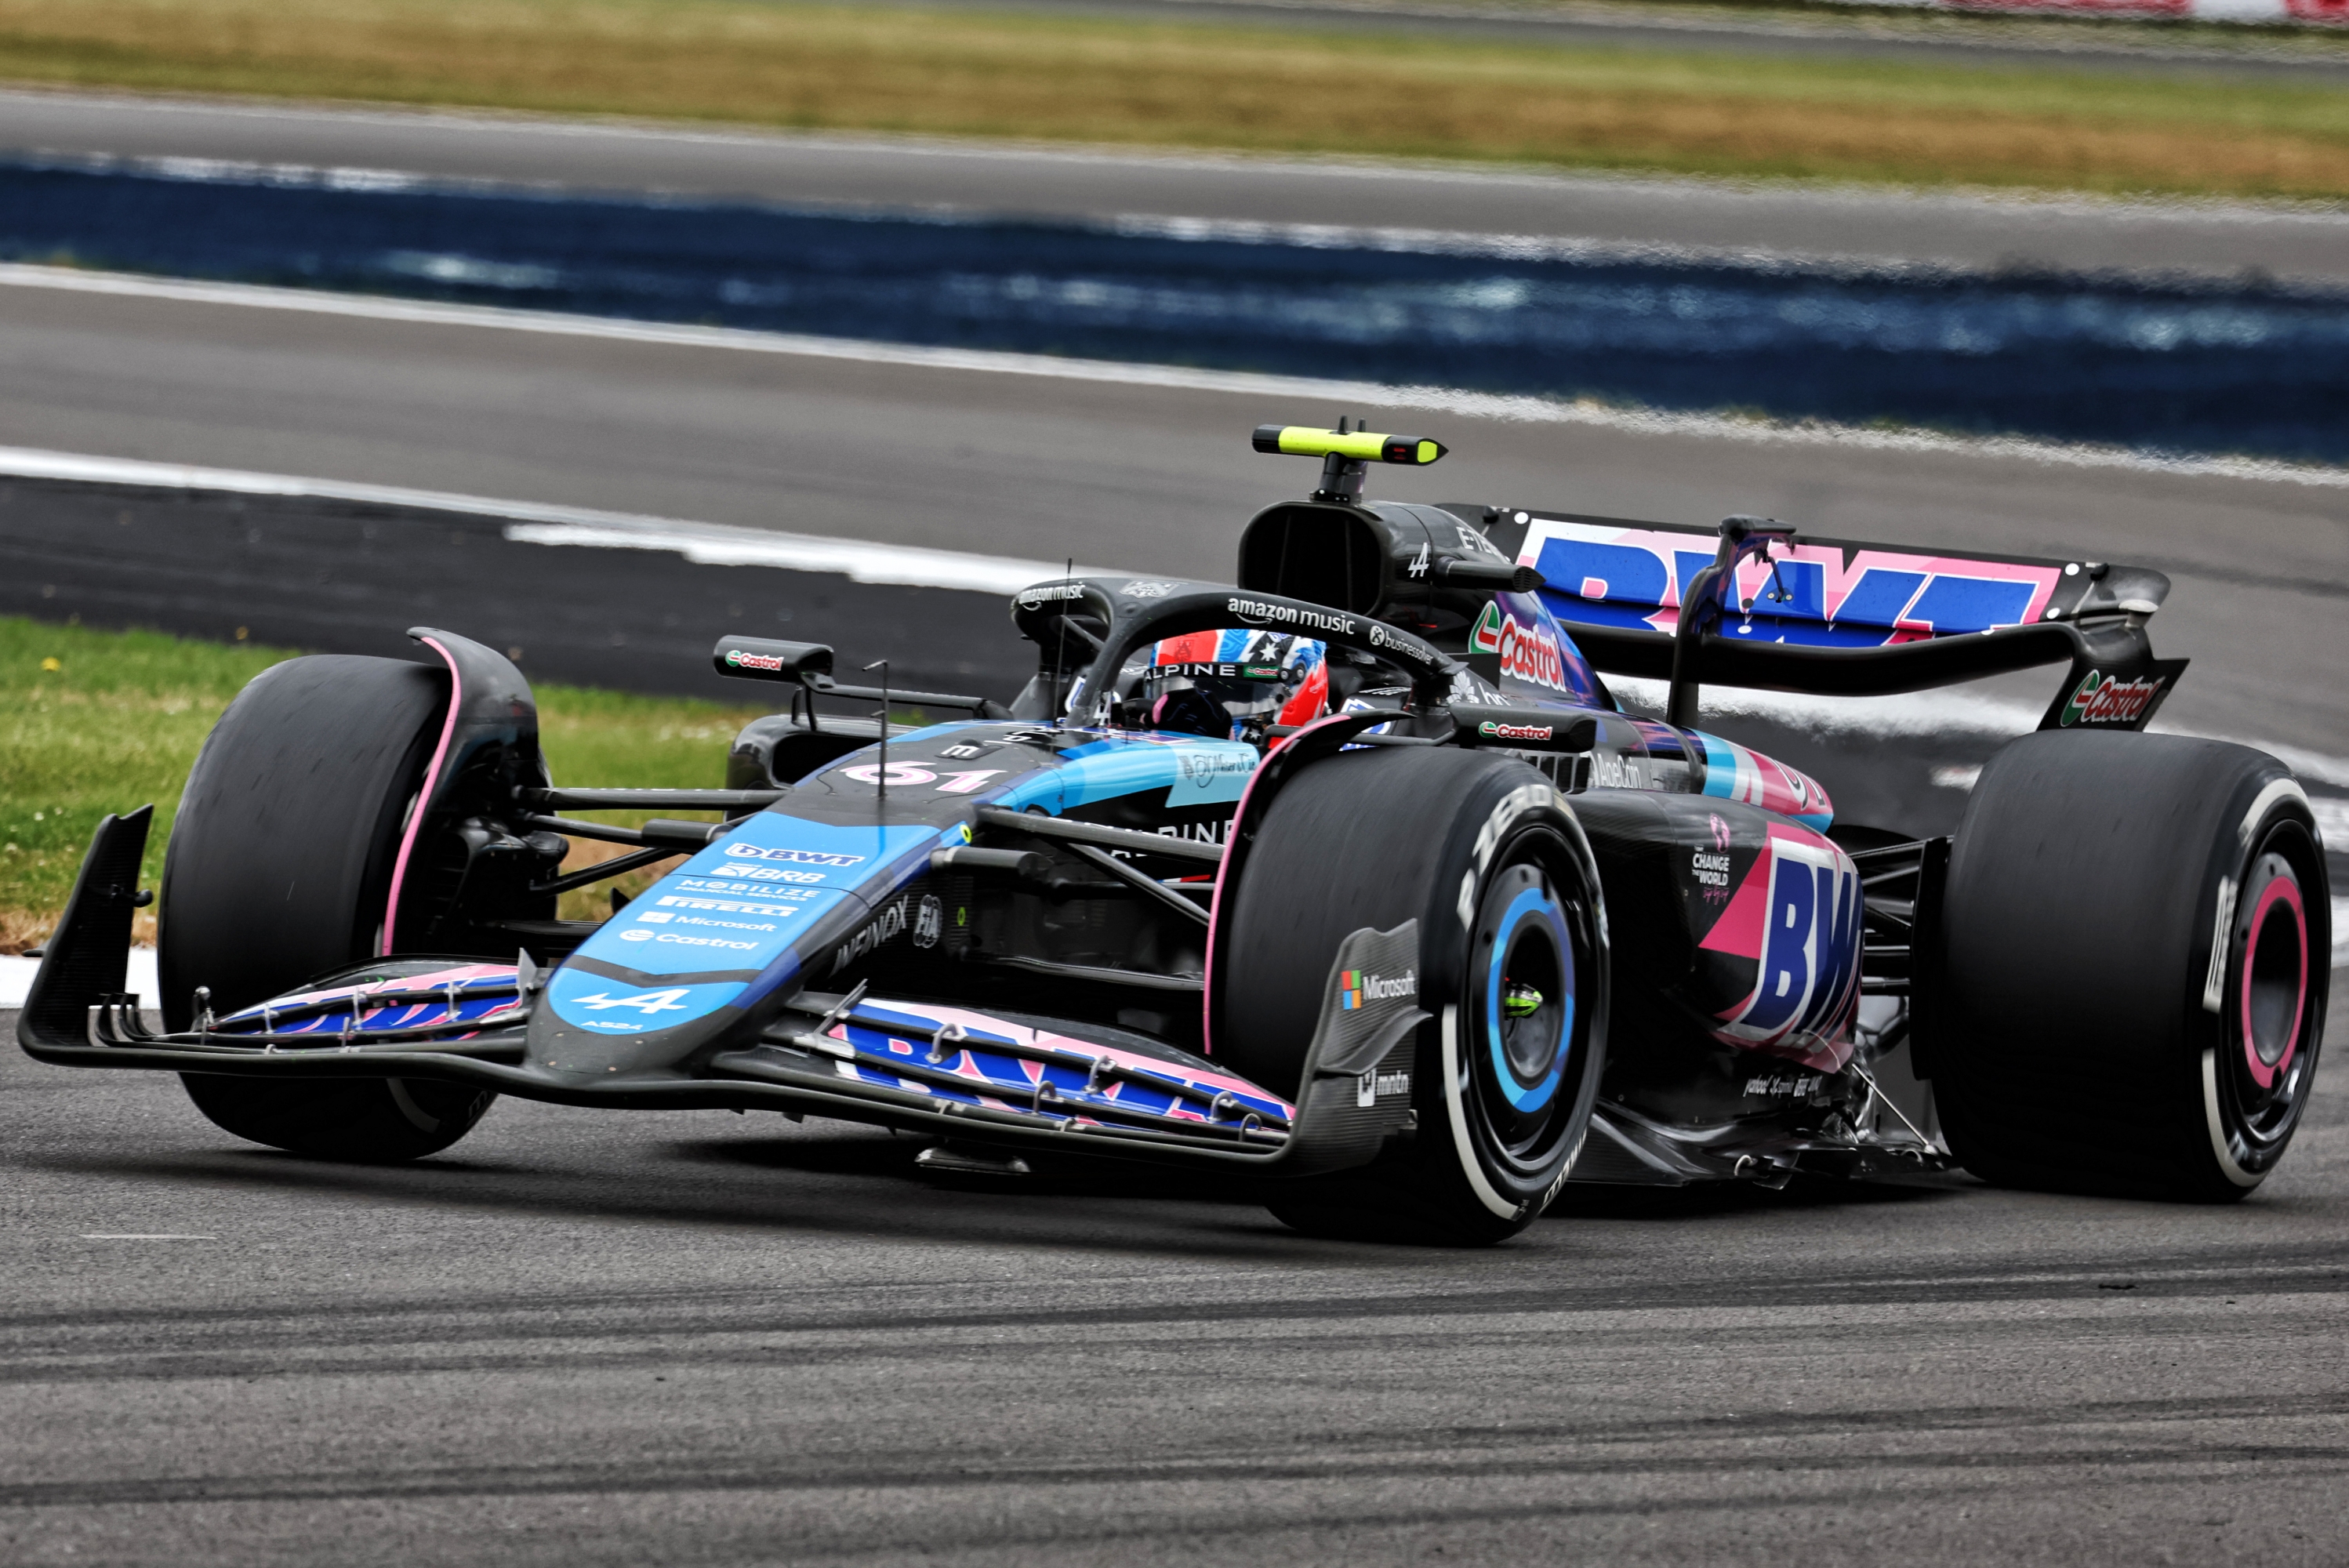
(1840, 617)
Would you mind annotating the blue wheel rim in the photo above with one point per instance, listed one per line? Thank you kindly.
(1534, 905)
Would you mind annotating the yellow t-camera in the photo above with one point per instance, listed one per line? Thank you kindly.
(1359, 446)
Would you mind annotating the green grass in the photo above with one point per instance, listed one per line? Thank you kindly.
(1201, 83)
(93, 722)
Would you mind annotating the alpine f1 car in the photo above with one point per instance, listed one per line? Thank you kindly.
(1353, 877)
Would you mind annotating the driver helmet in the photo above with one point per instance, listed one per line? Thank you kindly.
(1234, 684)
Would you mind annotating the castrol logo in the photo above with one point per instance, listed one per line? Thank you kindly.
(2101, 699)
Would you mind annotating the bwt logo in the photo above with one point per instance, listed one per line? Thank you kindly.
(1810, 947)
(797, 857)
(1356, 986)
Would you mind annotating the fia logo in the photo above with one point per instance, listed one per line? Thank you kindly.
(930, 922)
(646, 1002)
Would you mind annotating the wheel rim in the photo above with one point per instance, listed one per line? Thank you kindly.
(1523, 994)
(2269, 1011)
(2275, 980)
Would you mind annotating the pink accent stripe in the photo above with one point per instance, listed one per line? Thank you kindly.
(431, 774)
(2279, 891)
(1216, 904)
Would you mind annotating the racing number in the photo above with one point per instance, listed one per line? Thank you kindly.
(902, 774)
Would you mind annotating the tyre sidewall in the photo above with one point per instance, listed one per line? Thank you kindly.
(1513, 819)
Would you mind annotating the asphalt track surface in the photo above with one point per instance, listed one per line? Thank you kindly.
(1704, 218)
(585, 1337)
(694, 1337)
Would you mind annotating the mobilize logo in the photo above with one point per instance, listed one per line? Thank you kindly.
(800, 857)
(2100, 699)
(1514, 731)
(1356, 986)
(748, 889)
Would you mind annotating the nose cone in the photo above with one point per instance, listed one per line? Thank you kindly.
(600, 1028)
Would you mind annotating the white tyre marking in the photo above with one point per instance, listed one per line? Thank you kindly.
(1458, 1114)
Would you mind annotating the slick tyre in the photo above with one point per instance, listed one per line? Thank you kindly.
(1488, 858)
(2134, 974)
(280, 867)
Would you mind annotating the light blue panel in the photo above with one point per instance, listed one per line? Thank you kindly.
(743, 902)
(1192, 774)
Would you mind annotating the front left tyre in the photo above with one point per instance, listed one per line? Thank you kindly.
(1490, 860)
(279, 869)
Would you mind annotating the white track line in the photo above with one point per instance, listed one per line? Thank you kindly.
(705, 543)
(719, 544)
(1441, 399)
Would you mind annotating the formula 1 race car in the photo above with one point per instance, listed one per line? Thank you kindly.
(1353, 878)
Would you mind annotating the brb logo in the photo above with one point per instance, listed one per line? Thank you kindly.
(1797, 916)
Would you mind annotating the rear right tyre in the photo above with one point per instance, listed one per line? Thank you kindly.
(2136, 947)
